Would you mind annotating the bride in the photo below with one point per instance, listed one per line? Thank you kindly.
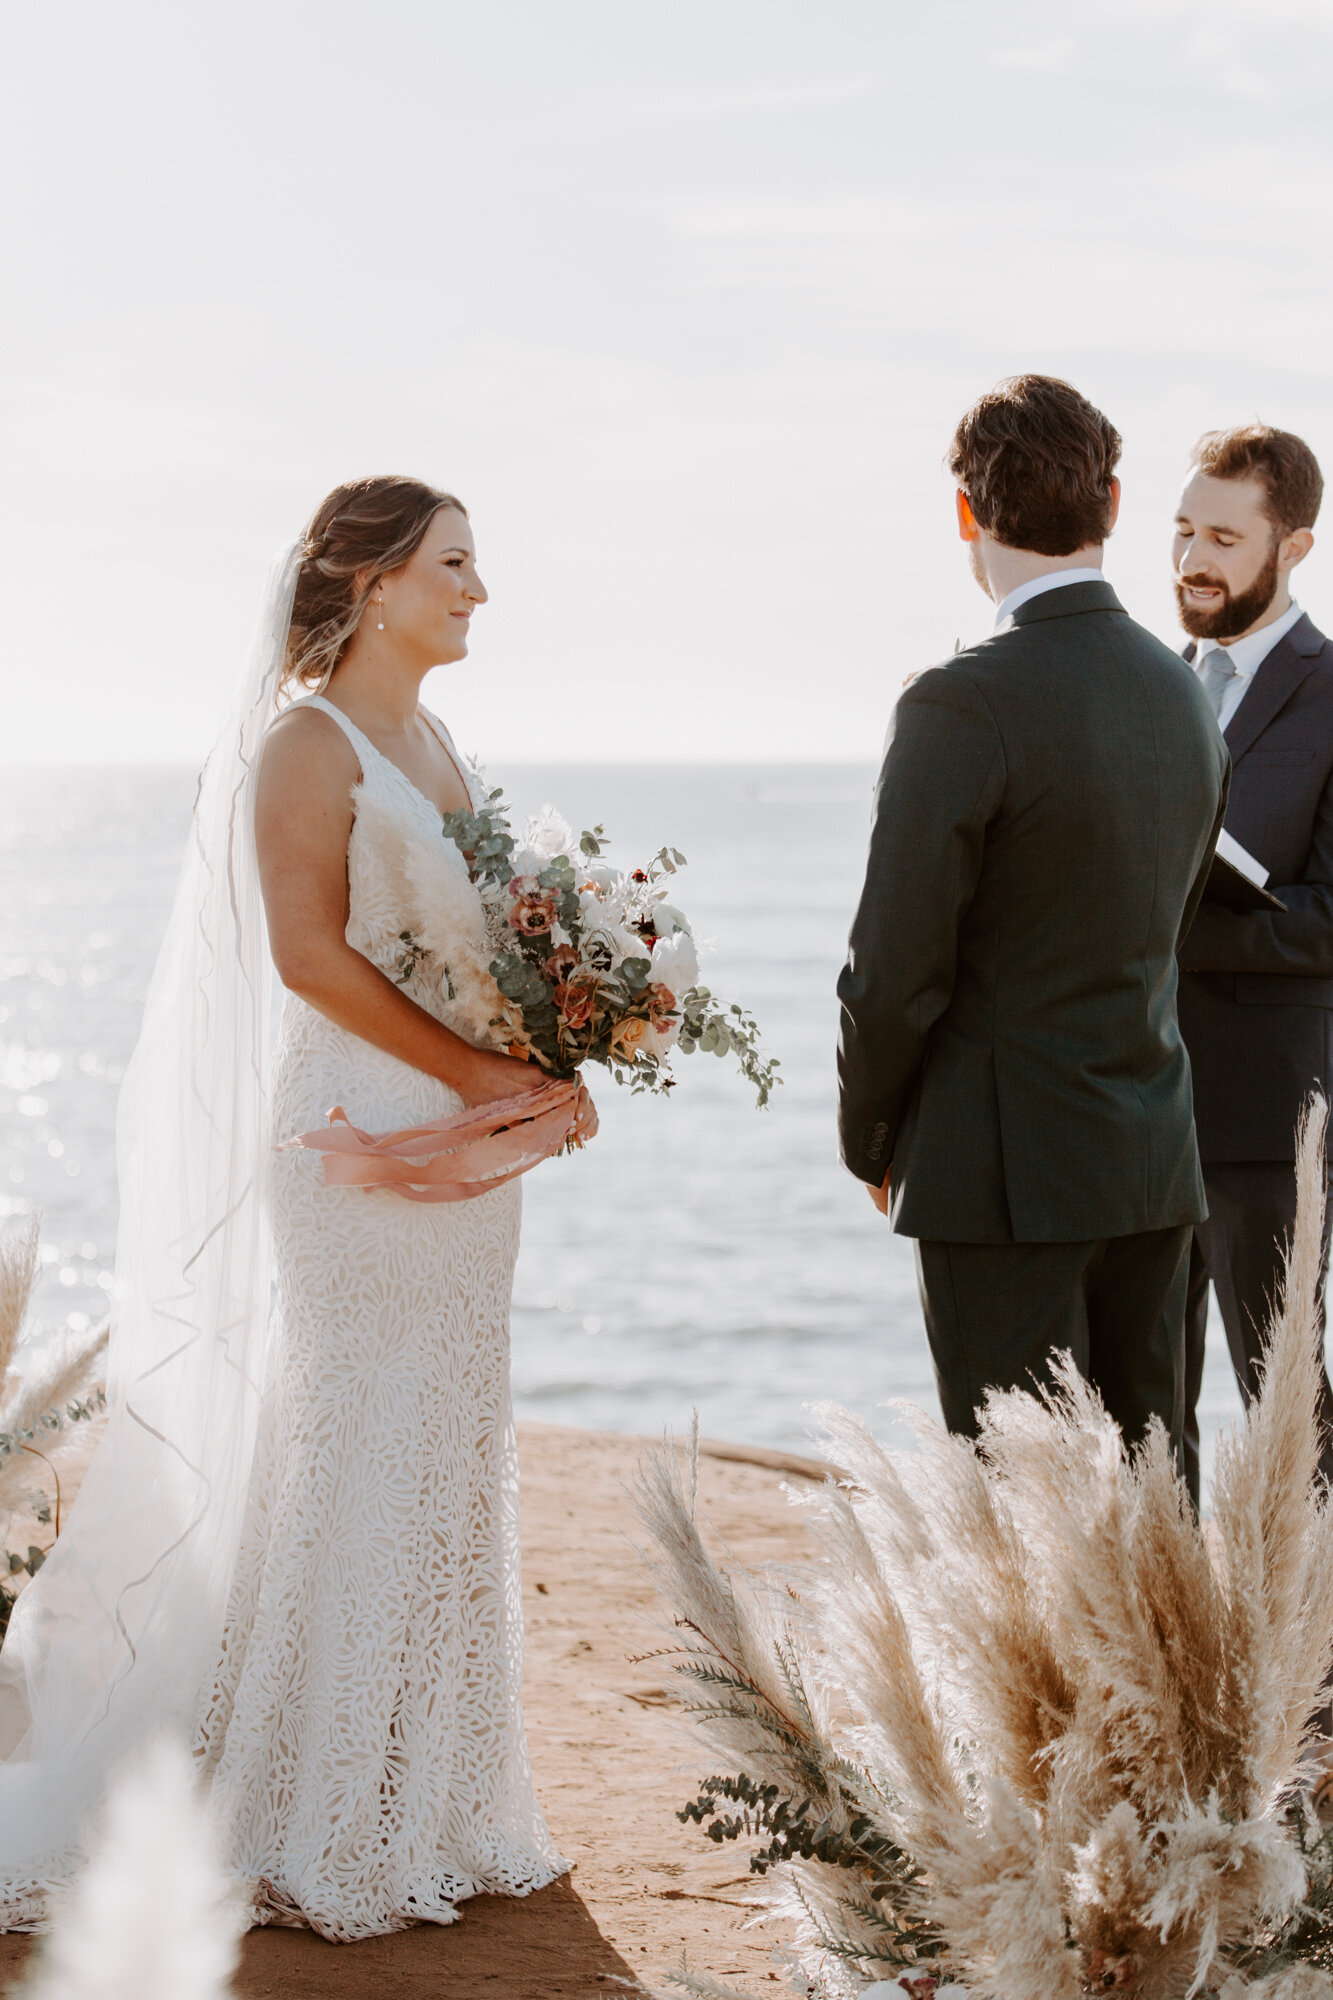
(297, 1541)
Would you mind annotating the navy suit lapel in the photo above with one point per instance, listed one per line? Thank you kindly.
(1276, 680)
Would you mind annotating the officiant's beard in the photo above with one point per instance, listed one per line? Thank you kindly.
(1233, 615)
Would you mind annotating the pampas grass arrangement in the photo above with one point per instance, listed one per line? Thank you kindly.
(153, 1916)
(1025, 1724)
(50, 1398)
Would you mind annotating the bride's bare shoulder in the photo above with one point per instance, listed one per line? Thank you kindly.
(307, 754)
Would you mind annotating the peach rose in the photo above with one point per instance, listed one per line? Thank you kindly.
(631, 1037)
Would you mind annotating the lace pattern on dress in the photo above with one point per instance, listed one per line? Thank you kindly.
(363, 1735)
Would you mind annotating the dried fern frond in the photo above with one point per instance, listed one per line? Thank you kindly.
(704, 1986)
(738, 1651)
(55, 1374)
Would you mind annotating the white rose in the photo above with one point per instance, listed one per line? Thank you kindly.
(667, 918)
(549, 834)
(676, 963)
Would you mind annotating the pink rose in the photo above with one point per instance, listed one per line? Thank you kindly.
(576, 999)
(661, 1007)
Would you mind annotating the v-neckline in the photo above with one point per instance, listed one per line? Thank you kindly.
(445, 742)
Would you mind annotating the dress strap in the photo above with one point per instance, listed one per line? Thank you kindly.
(360, 742)
(467, 772)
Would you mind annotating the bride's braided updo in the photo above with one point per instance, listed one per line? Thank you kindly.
(361, 532)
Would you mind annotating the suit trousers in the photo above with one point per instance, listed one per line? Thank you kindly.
(1251, 1212)
(997, 1313)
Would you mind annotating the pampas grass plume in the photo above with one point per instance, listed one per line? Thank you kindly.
(18, 1274)
(153, 1916)
(1077, 1715)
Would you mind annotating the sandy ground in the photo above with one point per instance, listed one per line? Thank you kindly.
(613, 1764)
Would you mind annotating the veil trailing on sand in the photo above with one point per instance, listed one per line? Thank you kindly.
(114, 1637)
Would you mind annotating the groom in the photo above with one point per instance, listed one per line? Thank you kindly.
(1011, 1072)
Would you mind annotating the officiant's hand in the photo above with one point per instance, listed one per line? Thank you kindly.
(880, 1195)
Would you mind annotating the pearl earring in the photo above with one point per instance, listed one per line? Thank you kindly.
(380, 602)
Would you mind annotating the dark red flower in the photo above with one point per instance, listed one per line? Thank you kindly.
(575, 999)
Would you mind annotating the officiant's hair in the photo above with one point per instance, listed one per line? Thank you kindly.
(362, 530)
(1036, 461)
(1283, 464)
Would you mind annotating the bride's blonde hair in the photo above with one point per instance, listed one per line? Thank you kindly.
(358, 534)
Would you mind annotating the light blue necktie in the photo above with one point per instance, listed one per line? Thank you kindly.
(1217, 676)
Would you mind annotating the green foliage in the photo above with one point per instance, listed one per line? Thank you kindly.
(795, 1831)
(722, 1031)
(882, 1880)
(828, 1810)
(410, 957)
(484, 840)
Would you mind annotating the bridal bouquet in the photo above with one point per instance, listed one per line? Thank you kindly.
(540, 948)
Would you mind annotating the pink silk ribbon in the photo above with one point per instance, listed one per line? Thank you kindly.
(451, 1159)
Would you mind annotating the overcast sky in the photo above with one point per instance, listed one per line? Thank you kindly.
(684, 301)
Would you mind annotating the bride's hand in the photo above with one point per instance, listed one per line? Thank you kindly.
(585, 1117)
(491, 1077)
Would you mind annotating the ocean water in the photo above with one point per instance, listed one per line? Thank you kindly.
(699, 1254)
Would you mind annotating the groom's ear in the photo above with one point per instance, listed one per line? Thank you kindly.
(967, 520)
(1115, 507)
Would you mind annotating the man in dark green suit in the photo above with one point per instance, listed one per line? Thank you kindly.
(1011, 1074)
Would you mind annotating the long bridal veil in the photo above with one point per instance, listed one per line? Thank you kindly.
(113, 1638)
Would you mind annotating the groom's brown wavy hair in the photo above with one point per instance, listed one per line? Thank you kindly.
(358, 534)
(1036, 461)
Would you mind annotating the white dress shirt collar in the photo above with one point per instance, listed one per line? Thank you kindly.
(1054, 579)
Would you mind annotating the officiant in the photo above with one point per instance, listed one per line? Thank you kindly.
(1256, 988)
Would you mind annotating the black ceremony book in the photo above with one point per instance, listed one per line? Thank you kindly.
(1237, 879)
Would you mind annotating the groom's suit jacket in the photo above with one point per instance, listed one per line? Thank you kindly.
(1044, 822)
(1256, 994)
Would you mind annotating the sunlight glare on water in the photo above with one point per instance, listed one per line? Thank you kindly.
(699, 1253)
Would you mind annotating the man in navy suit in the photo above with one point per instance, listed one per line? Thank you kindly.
(1256, 990)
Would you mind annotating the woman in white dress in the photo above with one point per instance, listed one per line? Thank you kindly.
(335, 1572)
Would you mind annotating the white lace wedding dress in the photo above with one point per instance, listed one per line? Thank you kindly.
(362, 1735)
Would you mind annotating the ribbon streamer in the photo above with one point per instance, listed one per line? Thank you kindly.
(451, 1159)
